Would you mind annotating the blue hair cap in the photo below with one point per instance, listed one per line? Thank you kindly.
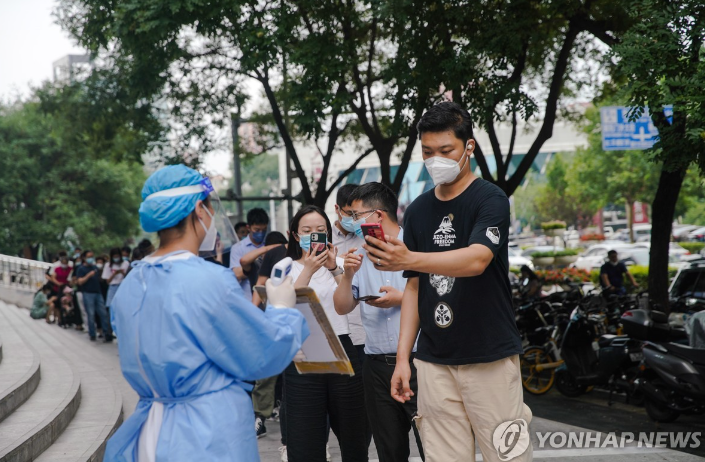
(157, 213)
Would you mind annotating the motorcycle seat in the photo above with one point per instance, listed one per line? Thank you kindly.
(606, 339)
(697, 356)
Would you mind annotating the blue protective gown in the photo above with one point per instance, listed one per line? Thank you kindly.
(188, 339)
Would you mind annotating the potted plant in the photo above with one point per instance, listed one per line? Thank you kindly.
(553, 228)
(543, 258)
(565, 257)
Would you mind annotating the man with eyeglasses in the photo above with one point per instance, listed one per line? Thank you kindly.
(390, 420)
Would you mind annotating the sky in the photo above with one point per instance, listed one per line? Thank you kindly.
(30, 42)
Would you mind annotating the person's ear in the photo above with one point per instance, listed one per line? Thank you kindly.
(470, 147)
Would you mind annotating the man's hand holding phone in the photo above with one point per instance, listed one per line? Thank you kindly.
(392, 297)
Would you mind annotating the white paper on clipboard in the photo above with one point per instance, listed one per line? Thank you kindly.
(324, 354)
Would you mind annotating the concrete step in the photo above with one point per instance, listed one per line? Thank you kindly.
(39, 421)
(100, 412)
(19, 369)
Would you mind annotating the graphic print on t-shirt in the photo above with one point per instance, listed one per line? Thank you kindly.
(493, 234)
(445, 234)
(443, 315)
(442, 284)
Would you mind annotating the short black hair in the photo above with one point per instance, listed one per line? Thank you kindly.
(63, 253)
(257, 216)
(343, 196)
(275, 237)
(379, 196)
(127, 249)
(239, 225)
(144, 245)
(444, 117)
(612, 252)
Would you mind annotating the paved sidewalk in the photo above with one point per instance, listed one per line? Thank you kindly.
(269, 448)
(269, 445)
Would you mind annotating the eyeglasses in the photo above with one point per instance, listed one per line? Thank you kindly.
(346, 213)
(358, 215)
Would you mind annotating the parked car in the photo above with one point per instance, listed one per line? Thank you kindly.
(596, 254)
(680, 232)
(689, 281)
(697, 234)
(516, 260)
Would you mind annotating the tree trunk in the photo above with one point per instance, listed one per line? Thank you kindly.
(663, 207)
(629, 204)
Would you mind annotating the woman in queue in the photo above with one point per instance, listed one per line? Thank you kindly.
(314, 399)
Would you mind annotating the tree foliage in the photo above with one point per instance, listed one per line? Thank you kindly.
(661, 57)
(68, 172)
(354, 69)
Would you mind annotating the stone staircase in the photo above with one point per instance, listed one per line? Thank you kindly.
(61, 396)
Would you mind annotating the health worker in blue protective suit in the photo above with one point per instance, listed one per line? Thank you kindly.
(188, 336)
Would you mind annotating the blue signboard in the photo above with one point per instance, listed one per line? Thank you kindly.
(619, 133)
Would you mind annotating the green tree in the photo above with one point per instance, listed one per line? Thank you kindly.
(662, 59)
(600, 177)
(560, 200)
(361, 70)
(59, 180)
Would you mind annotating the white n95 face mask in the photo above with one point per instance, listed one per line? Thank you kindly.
(208, 244)
(443, 170)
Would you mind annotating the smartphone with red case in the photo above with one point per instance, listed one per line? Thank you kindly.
(373, 229)
(319, 242)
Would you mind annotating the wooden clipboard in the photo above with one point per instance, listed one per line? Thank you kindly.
(323, 350)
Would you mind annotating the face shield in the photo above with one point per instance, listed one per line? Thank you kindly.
(220, 235)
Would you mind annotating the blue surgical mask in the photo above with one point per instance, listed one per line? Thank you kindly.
(259, 236)
(125, 258)
(305, 243)
(116, 260)
(357, 226)
(348, 224)
(90, 261)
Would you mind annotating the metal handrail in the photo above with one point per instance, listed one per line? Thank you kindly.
(22, 273)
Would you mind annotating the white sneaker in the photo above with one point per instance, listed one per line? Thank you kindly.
(282, 451)
(328, 458)
(260, 429)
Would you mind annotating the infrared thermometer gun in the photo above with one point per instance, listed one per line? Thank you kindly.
(281, 270)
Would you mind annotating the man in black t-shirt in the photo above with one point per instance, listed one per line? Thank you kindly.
(455, 256)
(88, 280)
(612, 275)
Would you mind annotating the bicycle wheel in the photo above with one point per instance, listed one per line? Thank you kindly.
(533, 381)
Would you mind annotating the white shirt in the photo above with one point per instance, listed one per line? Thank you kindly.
(343, 243)
(382, 325)
(108, 271)
(323, 283)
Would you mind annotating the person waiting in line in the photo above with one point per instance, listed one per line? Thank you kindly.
(457, 302)
(612, 275)
(88, 280)
(312, 399)
(346, 236)
(114, 273)
(241, 230)
(273, 256)
(263, 399)
(389, 419)
(251, 261)
(530, 288)
(43, 304)
(189, 338)
(60, 277)
(257, 223)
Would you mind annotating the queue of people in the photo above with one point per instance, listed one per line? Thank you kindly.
(79, 289)
(424, 315)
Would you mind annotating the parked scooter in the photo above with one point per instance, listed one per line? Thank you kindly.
(596, 359)
(651, 325)
(674, 381)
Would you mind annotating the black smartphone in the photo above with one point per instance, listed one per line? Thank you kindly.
(367, 298)
(319, 242)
